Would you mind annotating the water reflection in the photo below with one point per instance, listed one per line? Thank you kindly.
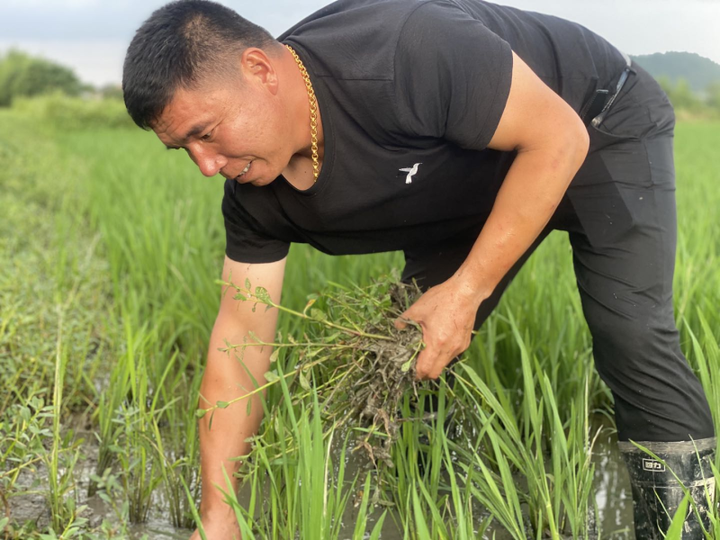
(612, 486)
(612, 497)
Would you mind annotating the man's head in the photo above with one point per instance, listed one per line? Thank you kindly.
(206, 80)
(184, 45)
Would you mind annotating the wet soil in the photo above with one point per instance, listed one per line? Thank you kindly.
(612, 497)
(383, 374)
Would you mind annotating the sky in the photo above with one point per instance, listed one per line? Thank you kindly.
(91, 36)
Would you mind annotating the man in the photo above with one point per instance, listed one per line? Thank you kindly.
(462, 133)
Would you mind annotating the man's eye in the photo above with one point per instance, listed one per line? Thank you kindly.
(207, 136)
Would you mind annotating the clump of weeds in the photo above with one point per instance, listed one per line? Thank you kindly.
(350, 354)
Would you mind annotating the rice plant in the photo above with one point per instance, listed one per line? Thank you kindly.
(129, 240)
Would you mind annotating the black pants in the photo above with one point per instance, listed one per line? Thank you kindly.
(619, 213)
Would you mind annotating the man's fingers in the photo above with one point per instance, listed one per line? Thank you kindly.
(430, 363)
(425, 366)
(402, 322)
(422, 367)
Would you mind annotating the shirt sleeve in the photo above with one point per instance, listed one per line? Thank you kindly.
(245, 240)
(452, 76)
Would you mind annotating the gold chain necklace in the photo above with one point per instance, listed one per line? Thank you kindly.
(313, 113)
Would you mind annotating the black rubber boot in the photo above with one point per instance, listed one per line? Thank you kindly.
(657, 492)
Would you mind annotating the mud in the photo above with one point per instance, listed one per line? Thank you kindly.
(612, 495)
(383, 373)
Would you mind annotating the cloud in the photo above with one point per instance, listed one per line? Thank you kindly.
(92, 35)
(97, 19)
(637, 26)
(56, 4)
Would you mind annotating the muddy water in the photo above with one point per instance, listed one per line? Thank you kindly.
(612, 489)
(612, 498)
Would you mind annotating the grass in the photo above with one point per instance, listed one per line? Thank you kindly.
(109, 251)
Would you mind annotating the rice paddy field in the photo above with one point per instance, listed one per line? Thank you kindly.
(110, 253)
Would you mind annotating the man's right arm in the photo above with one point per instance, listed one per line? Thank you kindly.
(228, 376)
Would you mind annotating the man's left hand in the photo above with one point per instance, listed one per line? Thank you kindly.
(446, 315)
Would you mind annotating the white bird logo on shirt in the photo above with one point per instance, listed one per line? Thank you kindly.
(412, 171)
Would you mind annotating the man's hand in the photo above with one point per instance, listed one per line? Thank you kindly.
(219, 527)
(446, 314)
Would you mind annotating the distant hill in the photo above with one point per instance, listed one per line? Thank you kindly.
(697, 70)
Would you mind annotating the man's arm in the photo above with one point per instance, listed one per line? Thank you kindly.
(226, 378)
(551, 143)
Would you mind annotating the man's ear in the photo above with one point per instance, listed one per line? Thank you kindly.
(256, 65)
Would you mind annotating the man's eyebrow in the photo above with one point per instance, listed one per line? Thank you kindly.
(195, 130)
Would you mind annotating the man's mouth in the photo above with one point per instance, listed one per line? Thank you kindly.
(245, 170)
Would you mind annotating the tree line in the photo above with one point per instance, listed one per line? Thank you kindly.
(691, 103)
(26, 76)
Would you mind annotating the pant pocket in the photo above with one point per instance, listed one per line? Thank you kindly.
(614, 159)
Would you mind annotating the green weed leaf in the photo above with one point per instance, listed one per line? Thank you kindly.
(262, 295)
(317, 314)
(304, 382)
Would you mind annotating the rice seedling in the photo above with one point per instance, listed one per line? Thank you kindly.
(136, 242)
(61, 496)
(558, 499)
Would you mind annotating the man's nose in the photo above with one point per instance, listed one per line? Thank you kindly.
(210, 163)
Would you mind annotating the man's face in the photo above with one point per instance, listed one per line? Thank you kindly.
(234, 128)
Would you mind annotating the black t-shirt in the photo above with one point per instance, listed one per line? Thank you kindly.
(410, 93)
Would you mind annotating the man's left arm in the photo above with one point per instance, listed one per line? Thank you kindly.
(551, 143)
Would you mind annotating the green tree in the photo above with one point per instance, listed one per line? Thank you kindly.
(713, 96)
(24, 75)
(681, 95)
(111, 91)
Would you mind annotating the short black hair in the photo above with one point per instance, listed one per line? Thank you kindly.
(177, 47)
